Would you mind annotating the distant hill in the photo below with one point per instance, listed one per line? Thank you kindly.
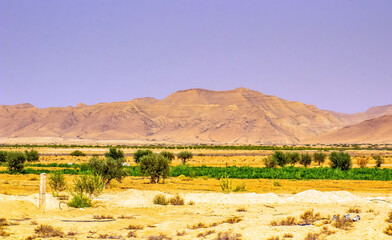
(376, 130)
(189, 116)
(354, 118)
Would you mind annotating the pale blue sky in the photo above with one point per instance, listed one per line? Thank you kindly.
(336, 55)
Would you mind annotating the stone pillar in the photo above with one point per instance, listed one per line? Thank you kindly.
(42, 191)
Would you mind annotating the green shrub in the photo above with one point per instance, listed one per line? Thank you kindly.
(3, 156)
(156, 166)
(280, 158)
(270, 162)
(77, 153)
(32, 155)
(379, 160)
(92, 185)
(15, 162)
(319, 157)
(114, 153)
(306, 159)
(226, 184)
(140, 153)
(80, 201)
(108, 168)
(184, 156)
(57, 182)
(340, 160)
(160, 199)
(168, 155)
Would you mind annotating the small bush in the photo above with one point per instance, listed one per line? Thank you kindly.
(32, 155)
(362, 162)
(354, 210)
(132, 234)
(388, 230)
(226, 184)
(159, 237)
(270, 162)
(288, 235)
(340, 160)
(232, 220)
(103, 217)
(389, 219)
(135, 227)
(199, 225)
(241, 187)
(191, 203)
(205, 234)
(342, 223)
(289, 221)
(309, 217)
(77, 153)
(242, 209)
(45, 231)
(80, 201)
(379, 160)
(228, 236)
(160, 199)
(177, 200)
(57, 182)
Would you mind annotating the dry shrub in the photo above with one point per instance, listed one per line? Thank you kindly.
(107, 236)
(191, 203)
(199, 225)
(159, 237)
(289, 221)
(326, 231)
(34, 222)
(242, 209)
(181, 233)
(103, 217)
(45, 231)
(362, 161)
(312, 236)
(233, 220)
(160, 199)
(274, 238)
(388, 230)
(132, 234)
(125, 217)
(389, 219)
(342, 223)
(288, 235)
(209, 232)
(3, 232)
(228, 236)
(71, 233)
(177, 200)
(309, 217)
(135, 227)
(354, 210)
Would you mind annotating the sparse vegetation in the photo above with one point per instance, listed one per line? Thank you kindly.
(135, 227)
(228, 236)
(342, 223)
(354, 210)
(388, 230)
(103, 217)
(177, 200)
(184, 156)
(159, 237)
(241, 209)
(389, 219)
(340, 160)
(46, 231)
(205, 234)
(309, 217)
(232, 220)
(77, 153)
(226, 184)
(57, 183)
(160, 199)
(362, 161)
(289, 221)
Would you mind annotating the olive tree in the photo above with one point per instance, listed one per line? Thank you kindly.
(32, 155)
(156, 166)
(306, 159)
(114, 153)
(169, 155)
(140, 153)
(15, 161)
(319, 157)
(340, 160)
(184, 156)
(108, 168)
(280, 158)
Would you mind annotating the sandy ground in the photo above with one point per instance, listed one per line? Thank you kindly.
(209, 208)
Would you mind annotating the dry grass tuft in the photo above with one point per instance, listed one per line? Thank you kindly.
(159, 237)
(103, 217)
(242, 209)
(181, 233)
(233, 220)
(389, 219)
(312, 236)
(191, 203)
(160, 199)
(388, 230)
(135, 227)
(274, 238)
(309, 217)
(125, 217)
(199, 225)
(228, 236)
(205, 234)
(45, 231)
(132, 234)
(289, 221)
(342, 223)
(354, 210)
(177, 200)
(288, 235)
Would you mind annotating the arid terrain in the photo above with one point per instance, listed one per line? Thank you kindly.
(126, 209)
(239, 116)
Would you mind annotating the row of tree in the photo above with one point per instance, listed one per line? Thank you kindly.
(15, 160)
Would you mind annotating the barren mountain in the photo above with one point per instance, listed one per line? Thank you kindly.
(377, 130)
(354, 118)
(190, 116)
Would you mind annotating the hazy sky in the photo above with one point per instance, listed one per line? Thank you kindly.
(336, 55)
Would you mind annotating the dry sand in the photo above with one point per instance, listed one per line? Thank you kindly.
(209, 208)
